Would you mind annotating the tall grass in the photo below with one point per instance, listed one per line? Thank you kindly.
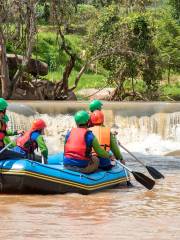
(47, 50)
(88, 80)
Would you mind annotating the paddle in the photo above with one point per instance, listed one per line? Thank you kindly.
(141, 178)
(152, 171)
(9, 144)
(43, 160)
(2, 150)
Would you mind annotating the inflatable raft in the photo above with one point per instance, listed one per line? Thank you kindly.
(26, 176)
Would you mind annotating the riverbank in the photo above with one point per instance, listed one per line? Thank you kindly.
(95, 77)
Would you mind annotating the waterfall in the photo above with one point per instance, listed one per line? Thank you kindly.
(166, 125)
(153, 133)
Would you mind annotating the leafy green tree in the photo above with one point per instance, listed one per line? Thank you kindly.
(168, 41)
(128, 51)
(142, 42)
(46, 12)
(175, 4)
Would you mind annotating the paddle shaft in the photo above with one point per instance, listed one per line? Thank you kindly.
(42, 158)
(152, 171)
(125, 166)
(2, 150)
(131, 154)
(9, 144)
(141, 178)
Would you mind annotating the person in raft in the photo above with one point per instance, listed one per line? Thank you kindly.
(106, 140)
(78, 147)
(93, 106)
(4, 133)
(32, 140)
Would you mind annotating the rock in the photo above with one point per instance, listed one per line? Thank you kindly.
(173, 153)
(23, 94)
(38, 89)
(93, 93)
(35, 67)
(44, 88)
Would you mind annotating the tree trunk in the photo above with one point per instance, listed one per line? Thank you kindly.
(30, 34)
(67, 72)
(132, 81)
(169, 72)
(4, 70)
(62, 87)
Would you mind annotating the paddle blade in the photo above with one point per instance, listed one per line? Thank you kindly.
(144, 180)
(154, 173)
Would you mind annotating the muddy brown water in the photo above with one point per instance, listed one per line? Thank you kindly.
(120, 213)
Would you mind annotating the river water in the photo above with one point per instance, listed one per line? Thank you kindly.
(121, 213)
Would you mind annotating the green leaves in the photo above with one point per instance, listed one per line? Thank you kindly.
(129, 40)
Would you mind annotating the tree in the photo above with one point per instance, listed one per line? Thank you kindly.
(23, 13)
(4, 71)
(62, 11)
(168, 41)
(132, 53)
(175, 4)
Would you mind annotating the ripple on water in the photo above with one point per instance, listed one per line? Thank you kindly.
(133, 213)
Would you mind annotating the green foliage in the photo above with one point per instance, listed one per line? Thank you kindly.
(101, 3)
(88, 80)
(133, 54)
(168, 40)
(46, 12)
(137, 41)
(173, 91)
(175, 9)
(101, 32)
(43, 12)
(48, 49)
(141, 33)
(84, 15)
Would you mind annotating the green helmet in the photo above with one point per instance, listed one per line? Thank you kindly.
(81, 117)
(3, 104)
(95, 105)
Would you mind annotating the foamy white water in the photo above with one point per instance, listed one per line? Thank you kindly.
(158, 134)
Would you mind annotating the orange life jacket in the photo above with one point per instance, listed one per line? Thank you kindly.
(75, 146)
(26, 143)
(2, 133)
(103, 135)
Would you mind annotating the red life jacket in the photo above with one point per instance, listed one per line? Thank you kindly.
(26, 143)
(75, 146)
(2, 133)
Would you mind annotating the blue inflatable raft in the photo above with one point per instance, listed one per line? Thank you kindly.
(26, 176)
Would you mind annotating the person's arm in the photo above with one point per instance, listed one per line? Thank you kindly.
(42, 146)
(115, 148)
(7, 141)
(99, 151)
(9, 132)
